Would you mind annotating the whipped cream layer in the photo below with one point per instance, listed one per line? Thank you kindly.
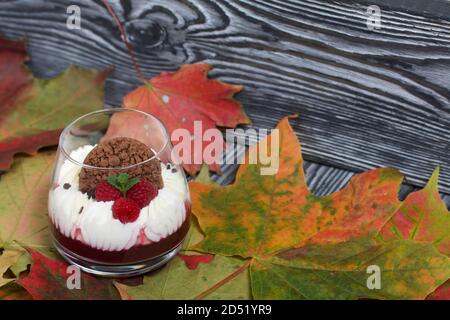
(82, 218)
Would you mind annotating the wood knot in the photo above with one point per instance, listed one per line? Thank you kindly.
(145, 33)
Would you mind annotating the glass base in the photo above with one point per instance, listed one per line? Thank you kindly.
(117, 271)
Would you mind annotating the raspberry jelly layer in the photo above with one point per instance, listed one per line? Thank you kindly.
(135, 254)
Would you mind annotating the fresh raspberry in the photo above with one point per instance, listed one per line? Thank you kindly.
(106, 192)
(142, 193)
(126, 210)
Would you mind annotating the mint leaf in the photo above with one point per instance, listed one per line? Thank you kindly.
(131, 183)
(122, 179)
(112, 180)
(122, 183)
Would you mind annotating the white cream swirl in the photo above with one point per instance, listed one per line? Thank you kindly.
(71, 210)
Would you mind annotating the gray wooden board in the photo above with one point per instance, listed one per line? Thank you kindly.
(365, 98)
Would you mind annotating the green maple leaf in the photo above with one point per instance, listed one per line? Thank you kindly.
(266, 219)
(23, 201)
(219, 278)
(423, 216)
(294, 245)
(23, 210)
(214, 280)
(408, 270)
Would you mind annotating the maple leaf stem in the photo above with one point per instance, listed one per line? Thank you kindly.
(125, 41)
(223, 281)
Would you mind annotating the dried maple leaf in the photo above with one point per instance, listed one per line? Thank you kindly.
(23, 208)
(23, 202)
(290, 236)
(48, 280)
(178, 99)
(34, 111)
(7, 259)
(423, 216)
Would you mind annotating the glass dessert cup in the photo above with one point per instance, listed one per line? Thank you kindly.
(118, 204)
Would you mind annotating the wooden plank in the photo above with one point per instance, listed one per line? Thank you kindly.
(365, 98)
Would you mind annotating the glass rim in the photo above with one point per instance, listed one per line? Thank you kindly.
(113, 110)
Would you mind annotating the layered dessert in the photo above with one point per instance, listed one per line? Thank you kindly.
(123, 205)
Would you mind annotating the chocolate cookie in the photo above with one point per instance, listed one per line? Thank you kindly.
(119, 152)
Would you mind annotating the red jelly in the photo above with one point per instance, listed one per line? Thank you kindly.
(135, 254)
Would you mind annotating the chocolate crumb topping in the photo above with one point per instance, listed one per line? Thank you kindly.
(119, 152)
(66, 186)
(81, 210)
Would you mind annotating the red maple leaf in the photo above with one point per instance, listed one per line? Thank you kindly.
(178, 99)
(48, 279)
(13, 75)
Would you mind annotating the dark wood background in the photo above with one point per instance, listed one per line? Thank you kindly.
(365, 98)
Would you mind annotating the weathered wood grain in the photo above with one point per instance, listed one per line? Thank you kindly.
(365, 98)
